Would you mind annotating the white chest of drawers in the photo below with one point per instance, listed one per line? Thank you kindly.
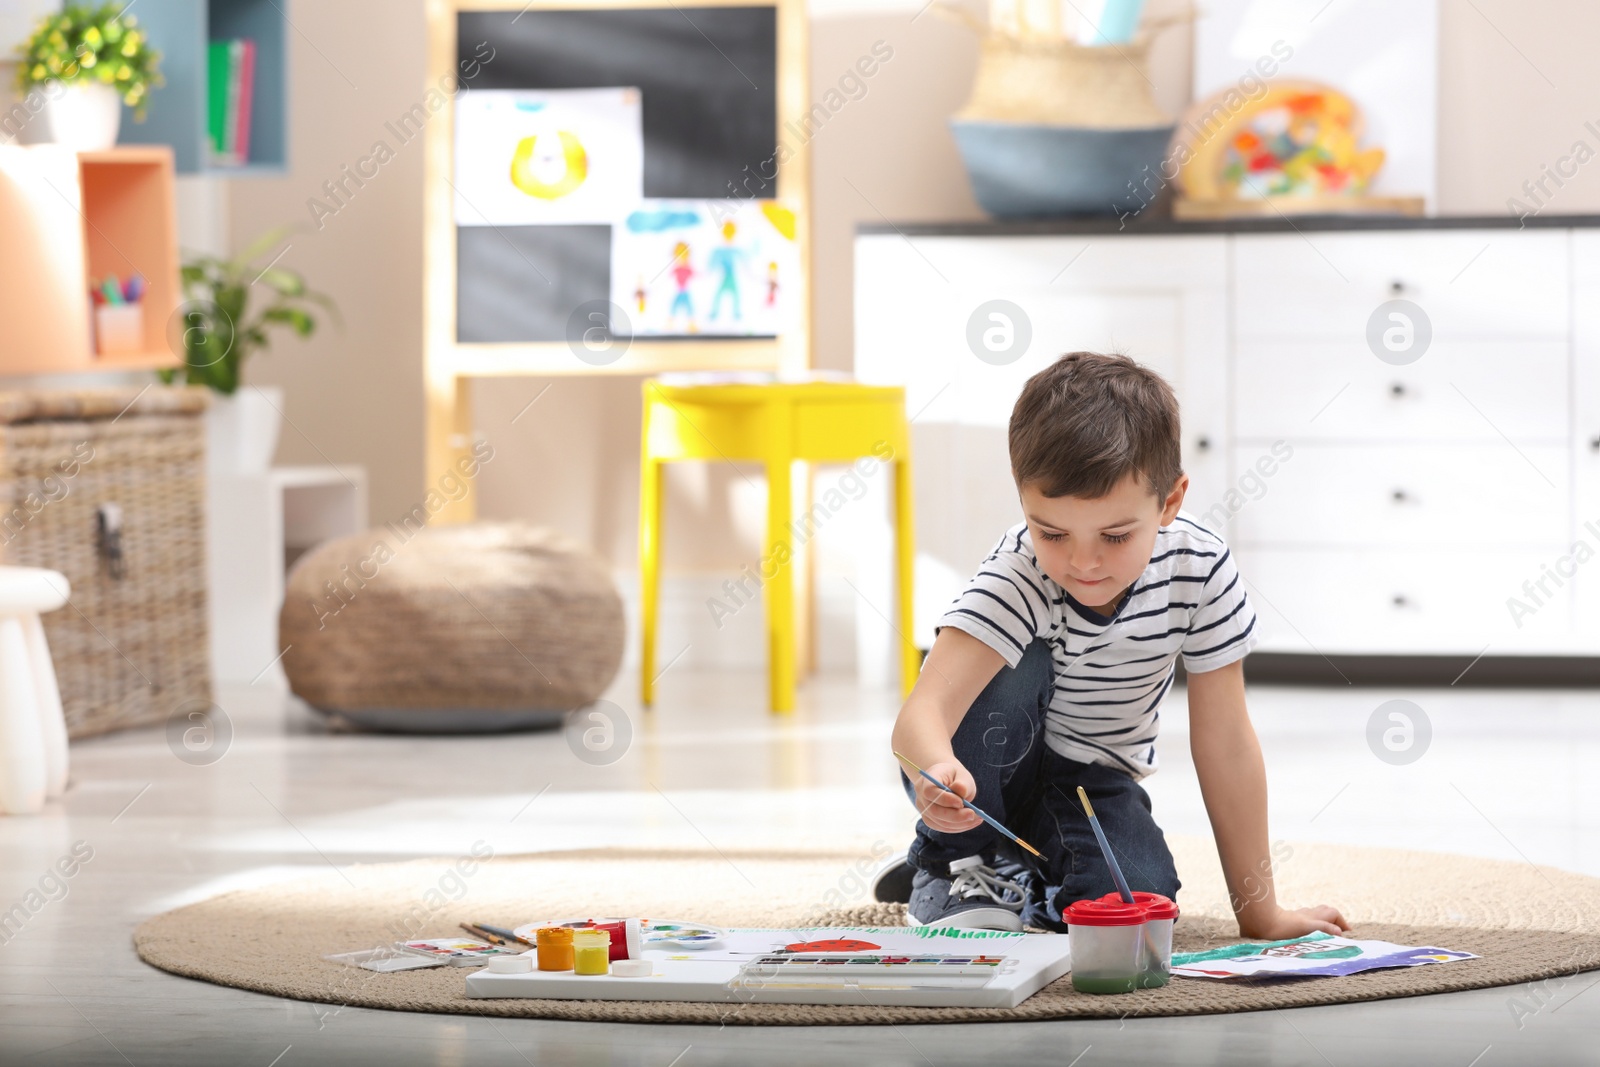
(1447, 505)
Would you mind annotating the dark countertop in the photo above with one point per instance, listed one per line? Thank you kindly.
(1164, 226)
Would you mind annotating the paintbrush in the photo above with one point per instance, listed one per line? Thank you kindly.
(1105, 847)
(979, 812)
(504, 934)
(482, 934)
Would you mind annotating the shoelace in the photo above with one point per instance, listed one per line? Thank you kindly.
(982, 881)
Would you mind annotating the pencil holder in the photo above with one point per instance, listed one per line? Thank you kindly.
(1108, 944)
(119, 329)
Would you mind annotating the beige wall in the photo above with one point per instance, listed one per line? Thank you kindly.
(353, 395)
(570, 461)
(1517, 82)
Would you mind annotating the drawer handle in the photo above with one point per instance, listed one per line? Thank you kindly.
(1397, 287)
(1400, 496)
(1400, 600)
(1594, 443)
(1397, 389)
(1204, 444)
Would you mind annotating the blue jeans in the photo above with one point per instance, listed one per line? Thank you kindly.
(1032, 790)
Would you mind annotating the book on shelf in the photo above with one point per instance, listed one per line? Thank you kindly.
(230, 73)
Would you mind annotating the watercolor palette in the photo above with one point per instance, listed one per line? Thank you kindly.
(661, 934)
(456, 951)
(873, 968)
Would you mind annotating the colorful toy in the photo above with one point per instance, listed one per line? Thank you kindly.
(1294, 147)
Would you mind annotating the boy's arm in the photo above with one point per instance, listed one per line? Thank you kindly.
(1233, 781)
(956, 671)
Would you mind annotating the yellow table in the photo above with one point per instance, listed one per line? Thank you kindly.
(774, 424)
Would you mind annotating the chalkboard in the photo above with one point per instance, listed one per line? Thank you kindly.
(709, 109)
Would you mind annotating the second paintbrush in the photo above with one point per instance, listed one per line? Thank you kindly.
(979, 812)
(1105, 848)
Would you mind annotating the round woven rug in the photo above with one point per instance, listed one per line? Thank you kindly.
(1527, 923)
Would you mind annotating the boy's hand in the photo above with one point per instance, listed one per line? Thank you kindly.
(940, 810)
(1283, 923)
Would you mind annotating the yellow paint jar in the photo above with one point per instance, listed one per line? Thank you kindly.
(555, 948)
(591, 951)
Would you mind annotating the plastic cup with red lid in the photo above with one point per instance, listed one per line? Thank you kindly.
(1160, 914)
(1119, 947)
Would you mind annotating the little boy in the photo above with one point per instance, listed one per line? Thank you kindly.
(1048, 673)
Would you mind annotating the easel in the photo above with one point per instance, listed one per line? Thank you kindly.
(448, 366)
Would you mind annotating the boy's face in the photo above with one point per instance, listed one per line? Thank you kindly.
(1096, 548)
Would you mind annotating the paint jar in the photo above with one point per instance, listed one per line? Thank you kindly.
(1160, 914)
(1107, 939)
(555, 948)
(591, 951)
(627, 938)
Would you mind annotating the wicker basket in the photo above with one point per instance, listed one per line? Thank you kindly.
(1059, 83)
(1053, 127)
(131, 647)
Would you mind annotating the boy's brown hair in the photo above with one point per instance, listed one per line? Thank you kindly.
(1089, 420)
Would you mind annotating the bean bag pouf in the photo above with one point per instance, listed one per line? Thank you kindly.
(482, 626)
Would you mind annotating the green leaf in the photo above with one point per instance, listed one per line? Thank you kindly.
(230, 300)
(326, 304)
(230, 333)
(261, 245)
(303, 324)
(286, 282)
(72, 45)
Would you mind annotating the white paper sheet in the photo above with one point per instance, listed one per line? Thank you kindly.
(528, 156)
(1315, 955)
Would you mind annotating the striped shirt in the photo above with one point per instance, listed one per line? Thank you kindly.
(1111, 673)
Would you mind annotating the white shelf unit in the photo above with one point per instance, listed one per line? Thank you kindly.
(257, 524)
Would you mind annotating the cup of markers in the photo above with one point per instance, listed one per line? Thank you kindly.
(119, 316)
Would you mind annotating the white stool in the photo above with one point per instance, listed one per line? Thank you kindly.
(33, 732)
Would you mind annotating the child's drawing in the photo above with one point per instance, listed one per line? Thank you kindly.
(692, 267)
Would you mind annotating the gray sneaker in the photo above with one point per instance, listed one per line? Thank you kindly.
(974, 897)
(892, 884)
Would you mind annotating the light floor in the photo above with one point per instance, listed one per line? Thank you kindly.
(1509, 774)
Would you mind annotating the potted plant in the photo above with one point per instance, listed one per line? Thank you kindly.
(230, 306)
(88, 62)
